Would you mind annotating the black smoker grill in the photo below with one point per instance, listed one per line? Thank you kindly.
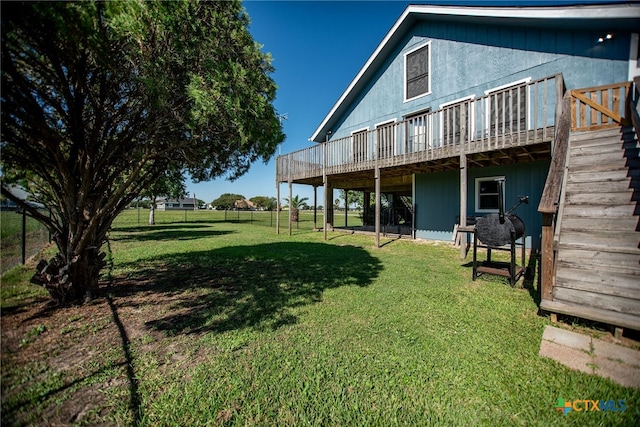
(500, 231)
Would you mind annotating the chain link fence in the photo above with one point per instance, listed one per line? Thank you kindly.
(307, 221)
(20, 237)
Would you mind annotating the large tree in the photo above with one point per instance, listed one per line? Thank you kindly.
(100, 99)
(226, 201)
(265, 202)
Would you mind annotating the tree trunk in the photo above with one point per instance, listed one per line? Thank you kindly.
(295, 215)
(152, 211)
(74, 279)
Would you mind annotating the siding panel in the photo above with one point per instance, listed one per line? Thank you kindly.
(469, 59)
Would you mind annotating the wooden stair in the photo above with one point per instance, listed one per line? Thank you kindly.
(598, 264)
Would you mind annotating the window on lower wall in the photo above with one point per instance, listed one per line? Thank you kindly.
(487, 194)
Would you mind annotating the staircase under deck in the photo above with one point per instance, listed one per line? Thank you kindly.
(598, 243)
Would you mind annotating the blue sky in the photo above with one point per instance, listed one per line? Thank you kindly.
(318, 47)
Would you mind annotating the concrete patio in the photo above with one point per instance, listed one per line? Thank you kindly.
(593, 356)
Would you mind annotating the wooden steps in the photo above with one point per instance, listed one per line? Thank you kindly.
(598, 261)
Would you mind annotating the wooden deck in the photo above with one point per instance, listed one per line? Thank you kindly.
(486, 131)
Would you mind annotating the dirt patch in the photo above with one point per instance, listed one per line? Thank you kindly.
(77, 364)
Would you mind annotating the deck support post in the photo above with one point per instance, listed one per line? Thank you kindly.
(315, 207)
(346, 207)
(366, 209)
(463, 203)
(376, 178)
(325, 211)
(546, 259)
(463, 180)
(325, 185)
(377, 214)
(290, 207)
(278, 207)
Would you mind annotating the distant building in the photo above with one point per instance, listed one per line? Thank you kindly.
(244, 205)
(19, 192)
(177, 204)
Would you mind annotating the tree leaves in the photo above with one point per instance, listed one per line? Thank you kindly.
(101, 100)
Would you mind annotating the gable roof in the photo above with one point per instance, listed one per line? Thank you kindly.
(626, 16)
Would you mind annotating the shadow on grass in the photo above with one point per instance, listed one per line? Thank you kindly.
(161, 227)
(243, 286)
(169, 233)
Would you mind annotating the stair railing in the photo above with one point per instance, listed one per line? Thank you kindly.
(634, 104)
(551, 199)
(600, 107)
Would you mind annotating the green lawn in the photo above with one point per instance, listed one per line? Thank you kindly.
(11, 238)
(134, 217)
(212, 322)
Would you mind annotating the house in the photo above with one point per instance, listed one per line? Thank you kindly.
(455, 99)
(244, 205)
(177, 204)
(22, 194)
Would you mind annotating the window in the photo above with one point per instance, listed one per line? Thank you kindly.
(418, 129)
(417, 75)
(359, 141)
(386, 135)
(507, 108)
(487, 194)
(454, 115)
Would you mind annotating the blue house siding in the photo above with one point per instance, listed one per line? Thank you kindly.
(468, 59)
(438, 201)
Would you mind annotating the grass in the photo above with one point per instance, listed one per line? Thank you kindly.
(225, 323)
(11, 238)
(135, 218)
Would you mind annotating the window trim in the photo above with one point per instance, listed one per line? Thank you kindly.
(488, 92)
(428, 124)
(365, 153)
(404, 77)
(380, 125)
(477, 192)
(471, 113)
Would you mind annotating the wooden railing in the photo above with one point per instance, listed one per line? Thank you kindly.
(585, 109)
(518, 115)
(600, 107)
(550, 201)
(635, 104)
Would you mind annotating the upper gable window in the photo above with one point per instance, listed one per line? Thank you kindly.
(417, 75)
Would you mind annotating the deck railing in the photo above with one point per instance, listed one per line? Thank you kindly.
(522, 114)
(600, 107)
